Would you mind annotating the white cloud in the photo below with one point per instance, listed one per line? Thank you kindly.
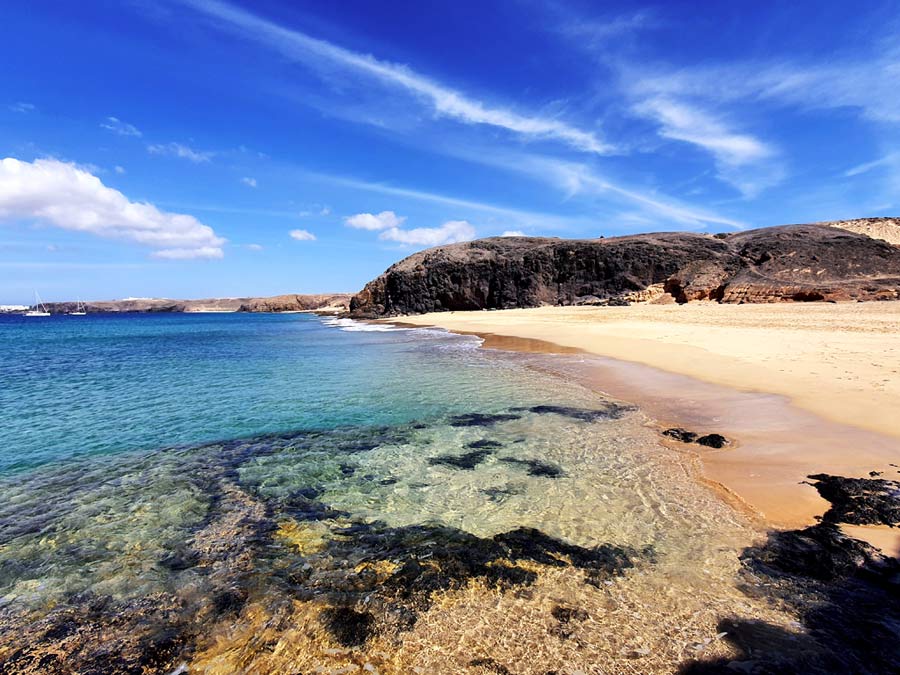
(251, 182)
(325, 210)
(370, 221)
(887, 160)
(443, 100)
(302, 235)
(742, 160)
(513, 233)
(866, 83)
(66, 196)
(119, 169)
(451, 232)
(691, 125)
(254, 247)
(580, 179)
(117, 126)
(22, 107)
(179, 150)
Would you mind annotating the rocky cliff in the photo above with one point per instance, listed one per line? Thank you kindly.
(278, 303)
(788, 263)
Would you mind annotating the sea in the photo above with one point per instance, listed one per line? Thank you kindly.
(290, 493)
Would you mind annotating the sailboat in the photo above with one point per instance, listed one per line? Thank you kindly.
(39, 309)
(80, 309)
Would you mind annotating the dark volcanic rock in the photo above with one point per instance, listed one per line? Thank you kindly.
(709, 440)
(680, 434)
(713, 441)
(859, 501)
(788, 263)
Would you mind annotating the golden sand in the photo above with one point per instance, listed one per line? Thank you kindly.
(810, 388)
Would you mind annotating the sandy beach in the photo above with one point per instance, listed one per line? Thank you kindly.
(803, 388)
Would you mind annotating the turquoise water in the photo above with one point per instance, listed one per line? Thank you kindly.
(74, 386)
(242, 493)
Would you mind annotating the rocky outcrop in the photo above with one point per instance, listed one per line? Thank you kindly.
(788, 263)
(279, 303)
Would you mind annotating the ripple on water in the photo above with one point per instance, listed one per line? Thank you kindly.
(531, 539)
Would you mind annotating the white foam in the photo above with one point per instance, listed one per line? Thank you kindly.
(352, 326)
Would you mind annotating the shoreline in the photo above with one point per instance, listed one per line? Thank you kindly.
(779, 442)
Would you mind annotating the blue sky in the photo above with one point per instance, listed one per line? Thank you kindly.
(198, 148)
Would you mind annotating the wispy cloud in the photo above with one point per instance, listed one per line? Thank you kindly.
(254, 247)
(604, 33)
(886, 161)
(444, 100)
(739, 156)
(119, 169)
(120, 128)
(249, 182)
(21, 107)
(302, 235)
(546, 220)
(866, 83)
(578, 179)
(182, 151)
(513, 233)
(66, 196)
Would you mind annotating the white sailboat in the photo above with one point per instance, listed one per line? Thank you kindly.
(39, 309)
(80, 309)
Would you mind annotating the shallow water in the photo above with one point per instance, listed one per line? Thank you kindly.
(422, 507)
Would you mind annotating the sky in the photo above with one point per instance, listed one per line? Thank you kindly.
(213, 148)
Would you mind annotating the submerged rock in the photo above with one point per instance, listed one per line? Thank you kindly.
(481, 419)
(347, 626)
(467, 461)
(484, 443)
(610, 411)
(536, 467)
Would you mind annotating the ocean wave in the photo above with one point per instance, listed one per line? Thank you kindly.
(353, 326)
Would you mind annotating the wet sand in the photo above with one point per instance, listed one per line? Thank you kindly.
(789, 394)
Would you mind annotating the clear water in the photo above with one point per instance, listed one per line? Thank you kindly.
(283, 493)
(101, 384)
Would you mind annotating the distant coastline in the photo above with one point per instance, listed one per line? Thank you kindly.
(324, 302)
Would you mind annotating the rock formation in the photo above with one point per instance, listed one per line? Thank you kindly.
(787, 263)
